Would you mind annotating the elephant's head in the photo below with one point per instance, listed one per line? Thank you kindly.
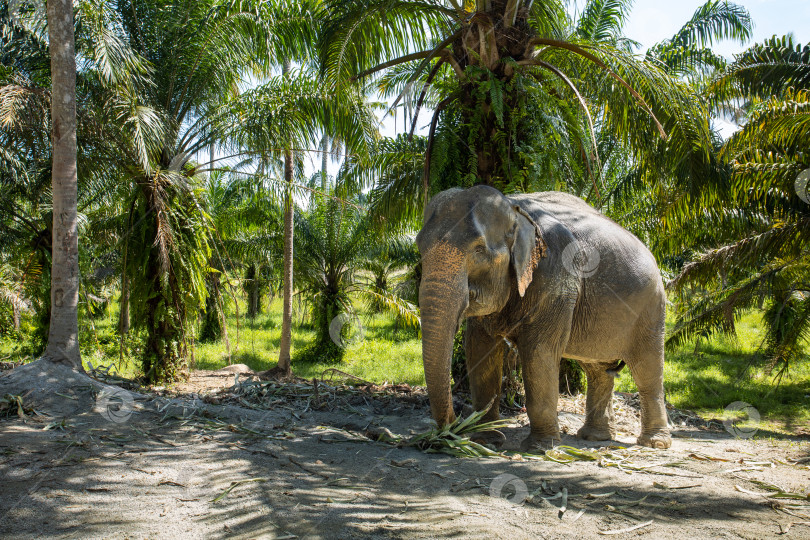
(477, 248)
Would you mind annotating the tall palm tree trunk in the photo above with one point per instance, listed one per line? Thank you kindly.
(63, 336)
(286, 317)
(123, 315)
(324, 161)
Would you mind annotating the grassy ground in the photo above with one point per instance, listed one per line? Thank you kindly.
(379, 353)
(722, 371)
(726, 369)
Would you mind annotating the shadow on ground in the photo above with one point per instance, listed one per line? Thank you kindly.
(184, 468)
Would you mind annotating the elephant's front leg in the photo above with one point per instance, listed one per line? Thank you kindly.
(541, 367)
(485, 356)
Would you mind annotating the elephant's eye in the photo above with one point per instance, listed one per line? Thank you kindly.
(479, 250)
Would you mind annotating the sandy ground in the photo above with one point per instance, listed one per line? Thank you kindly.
(293, 463)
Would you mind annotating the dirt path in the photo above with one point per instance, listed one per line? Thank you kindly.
(302, 466)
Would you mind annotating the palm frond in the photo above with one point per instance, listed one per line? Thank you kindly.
(603, 20)
(764, 70)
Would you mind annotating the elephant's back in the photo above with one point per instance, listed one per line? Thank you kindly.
(568, 209)
(587, 224)
(621, 259)
(619, 285)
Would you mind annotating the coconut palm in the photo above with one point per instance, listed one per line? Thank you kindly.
(760, 244)
(104, 117)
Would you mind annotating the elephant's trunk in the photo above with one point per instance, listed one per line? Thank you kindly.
(443, 296)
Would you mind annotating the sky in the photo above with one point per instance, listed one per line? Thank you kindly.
(652, 21)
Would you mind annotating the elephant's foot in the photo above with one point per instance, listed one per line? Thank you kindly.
(596, 433)
(655, 439)
(494, 439)
(534, 443)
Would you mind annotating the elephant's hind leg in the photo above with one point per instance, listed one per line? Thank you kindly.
(599, 423)
(647, 367)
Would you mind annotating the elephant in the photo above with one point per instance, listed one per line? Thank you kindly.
(551, 276)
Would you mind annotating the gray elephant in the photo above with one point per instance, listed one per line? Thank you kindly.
(551, 275)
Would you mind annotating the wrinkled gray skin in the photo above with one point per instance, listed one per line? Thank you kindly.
(596, 296)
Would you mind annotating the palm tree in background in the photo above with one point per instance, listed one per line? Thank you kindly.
(651, 211)
(335, 241)
(159, 86)
(288, 114)
(759, 213)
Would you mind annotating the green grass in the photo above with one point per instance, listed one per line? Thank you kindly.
(723, 370)
(382, 353)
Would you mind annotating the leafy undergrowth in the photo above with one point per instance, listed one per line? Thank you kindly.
(727, 369)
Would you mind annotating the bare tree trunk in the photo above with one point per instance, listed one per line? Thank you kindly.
(255, 298)
(324, 161)
(123, 316)
(15, 312)
(63, 336)
(286, 318)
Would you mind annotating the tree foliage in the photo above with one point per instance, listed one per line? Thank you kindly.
(764, 257)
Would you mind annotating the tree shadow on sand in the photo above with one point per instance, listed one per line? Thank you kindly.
(302, 468)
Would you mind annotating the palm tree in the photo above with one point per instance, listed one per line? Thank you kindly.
(506, 78)
(758, 212)
(284, 359)
(220, 198)
(388, 265)
(176, 76)
(333, 242)
(63, 338)
(246, 221)
(104, 117)
(630, 200)
(281, 118)
(688, 53)
(198, 54)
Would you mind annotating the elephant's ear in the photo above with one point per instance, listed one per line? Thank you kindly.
(528, 247)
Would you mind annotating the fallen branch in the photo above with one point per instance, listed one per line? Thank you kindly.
(628, 529)
(235, 485)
